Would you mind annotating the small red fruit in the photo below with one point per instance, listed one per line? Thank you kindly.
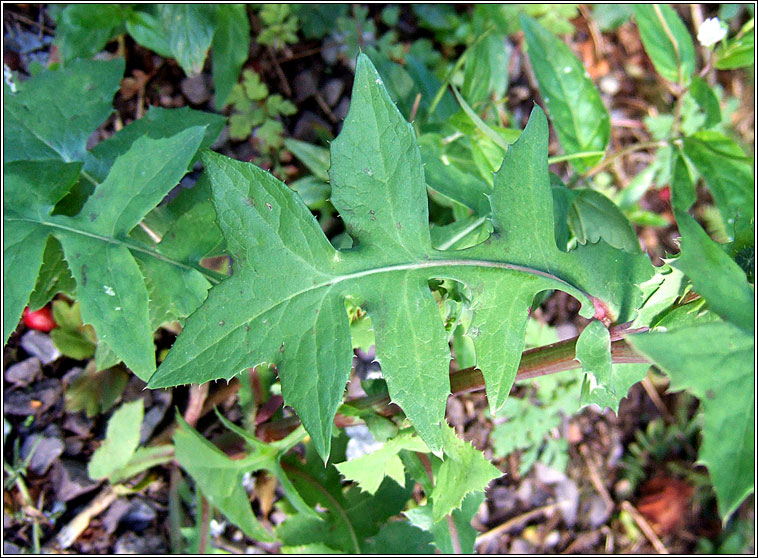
(665, 194)
(41, 320)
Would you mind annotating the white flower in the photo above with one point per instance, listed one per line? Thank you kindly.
(710, 32)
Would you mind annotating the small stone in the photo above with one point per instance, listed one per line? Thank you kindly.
(552, 539)
(139, 516)
(131, 543)
(25, 372)
(116, 511)
(503, 498)
(332, 91)
(44, 395)
(341, 110)
(595, 513)
(70, 480)
(78, 424)
(46, 450)
(10, 548)
(196, 89)
(40, 345)
(520, 546)
(305, 85)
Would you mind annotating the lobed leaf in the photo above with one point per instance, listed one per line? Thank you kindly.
(299, 322)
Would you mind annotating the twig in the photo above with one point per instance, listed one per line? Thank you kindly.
(595, 479)
(205, 521)
(282, 78)
(325, 107)
(656, 399)
(645, 528)
(76, 526)
(198, 393)
(518, 520)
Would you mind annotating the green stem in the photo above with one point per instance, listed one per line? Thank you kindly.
(624, 152)
(579, 155)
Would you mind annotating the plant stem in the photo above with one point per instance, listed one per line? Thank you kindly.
(540, 361)
(624, 152)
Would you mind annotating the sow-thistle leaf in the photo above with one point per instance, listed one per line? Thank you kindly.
(110, 285)
(34, 188)
(715, 362)
(464, 535)
(464, 470)
(370, 470)
(53, 114)
(285, 303)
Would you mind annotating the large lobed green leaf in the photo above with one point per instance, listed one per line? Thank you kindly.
(110, 285)
(52, 115)
(575, 107)
(285, 303)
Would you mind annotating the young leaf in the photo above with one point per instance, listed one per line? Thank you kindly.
(231, 47)
(370, 470)
(121, 440)
(464, 470)
(464, 534)
(605, 384)
(575, 107)
(666, 41)
(220, 477)
(378, 186)
(714, 361)
(52, 115)
(714, 275)
(739, 51)
(707, 100)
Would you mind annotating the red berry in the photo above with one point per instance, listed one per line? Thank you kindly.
(41, 320)
(665, 194)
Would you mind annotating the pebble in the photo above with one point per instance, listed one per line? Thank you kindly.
(595, 513)
(131, 543)
(332, 91)
(196, 89)
(25, 372)
(70, 480)
(40, 345)
(305, 85)
(565, 490)
(36, 401)
(48, 448)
